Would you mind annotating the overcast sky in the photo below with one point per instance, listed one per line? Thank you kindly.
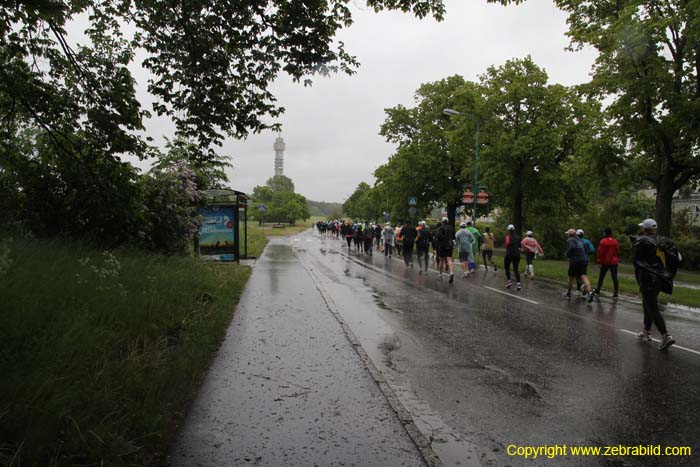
(331, 128)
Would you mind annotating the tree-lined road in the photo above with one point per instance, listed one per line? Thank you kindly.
(481, 368)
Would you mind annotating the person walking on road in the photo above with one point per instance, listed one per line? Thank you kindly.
(445, 239)
(608, 252)
(423, 241)
(465, 242)
(578, 264)
(348, 233)
(408, 232)
(512, 257)
(589, 248)
(388, 237)
(377, 230)
(398, 239)
(531, 248)
(357, 237)
(475, 246)
(651, 271)
(368, 234)
(487, 249)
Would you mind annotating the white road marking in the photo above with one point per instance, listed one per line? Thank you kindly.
(512, 295)
(658, 342)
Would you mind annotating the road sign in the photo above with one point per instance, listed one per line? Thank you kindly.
(412, 211)
(412, 201)
(261, 208)
(468, 197)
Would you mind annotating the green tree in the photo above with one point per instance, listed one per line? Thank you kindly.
(532, 129)
(282, 204)
(434, 161)
(647, 67)
(279, 183)
(211, 62)
(354, 206)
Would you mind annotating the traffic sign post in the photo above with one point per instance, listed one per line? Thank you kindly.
(262, 208)
(412, 212)
(412, 203)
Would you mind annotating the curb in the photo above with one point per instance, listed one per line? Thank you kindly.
(418, 438)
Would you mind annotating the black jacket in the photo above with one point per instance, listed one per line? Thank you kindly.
(408, 232)
(648, 268)
(445, 235)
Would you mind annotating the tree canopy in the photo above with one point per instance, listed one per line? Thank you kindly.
(281, 203)
(211, 62)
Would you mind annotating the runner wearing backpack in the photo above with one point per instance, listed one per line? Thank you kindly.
(656, 260)
(423, 242)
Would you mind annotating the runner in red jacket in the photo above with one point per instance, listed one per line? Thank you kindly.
(608, 252)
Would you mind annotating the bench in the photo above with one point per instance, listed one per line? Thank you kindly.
(278, 226)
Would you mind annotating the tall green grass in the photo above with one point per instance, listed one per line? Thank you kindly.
(100, 353)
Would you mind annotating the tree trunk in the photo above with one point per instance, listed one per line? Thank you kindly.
(451, 208)
(517, 205)
(664, 203)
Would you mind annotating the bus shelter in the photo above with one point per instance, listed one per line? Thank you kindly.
(219, 231)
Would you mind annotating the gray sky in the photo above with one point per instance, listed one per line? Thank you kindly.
(331, 128)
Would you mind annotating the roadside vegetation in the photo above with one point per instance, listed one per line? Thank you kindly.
(101, 351)
(556, 270)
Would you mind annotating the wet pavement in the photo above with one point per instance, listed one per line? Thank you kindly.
(480, 367)
(335, 358)
(288, 388)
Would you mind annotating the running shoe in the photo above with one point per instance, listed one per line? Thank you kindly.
(465, 274)
(589, 298)
(566, 295)
(518, 286)
(615, 296)
(509, 284)
(644, 335)
(666, 342)
(452, 278)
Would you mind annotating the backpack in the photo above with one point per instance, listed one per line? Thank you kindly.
(423, 238)
(669, 255)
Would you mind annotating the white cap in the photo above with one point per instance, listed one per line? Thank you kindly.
(648, 224)
(445, 220)
(529, 233)
(570, 232)
(579, 232)
(511, 227)
(463, 224)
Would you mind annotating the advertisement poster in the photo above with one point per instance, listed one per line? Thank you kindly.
(216, 234)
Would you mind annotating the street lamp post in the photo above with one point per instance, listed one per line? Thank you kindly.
(476, 155)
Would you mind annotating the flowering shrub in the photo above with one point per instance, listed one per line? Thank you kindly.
(170, 215)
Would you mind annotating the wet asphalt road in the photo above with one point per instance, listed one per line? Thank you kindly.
(287, 387)
(481, 368)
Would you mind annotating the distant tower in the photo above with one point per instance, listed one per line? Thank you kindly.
(279, 156)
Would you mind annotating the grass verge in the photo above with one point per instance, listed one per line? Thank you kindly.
(557, 270)
(101, 352)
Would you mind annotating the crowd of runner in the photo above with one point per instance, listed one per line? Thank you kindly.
(651, 268)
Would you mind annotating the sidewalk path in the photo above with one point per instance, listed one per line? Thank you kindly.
(287, 388)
